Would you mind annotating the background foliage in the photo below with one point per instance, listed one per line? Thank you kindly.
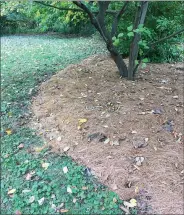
(163, 18)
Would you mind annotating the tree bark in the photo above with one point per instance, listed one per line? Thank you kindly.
(120, 64)
(99, 23)
(134, 47)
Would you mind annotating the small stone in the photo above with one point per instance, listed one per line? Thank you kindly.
(139, 160)
(175, 97)
(107, 141)
(66, 148)
(21, 146)
(59, 139)
(134, 132)
(115, 143)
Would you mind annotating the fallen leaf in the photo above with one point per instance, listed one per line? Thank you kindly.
(31, 200)
(136, 167)
(114, 187)
(9, 131)
(80, 122)
(175, 97)
(136, 189)
(21, 146)
(61, 205)
(53, 206)
(157, 111)
(84, 188)
(63, 210)
(74, 200)
(18, 212)
(146, 139)
(28, 177)
(11, 191)
(65, 169)
(139, 160)
(155, 148)
(126, 210)
(59, 139)
(87, 172)
(10, 114)
(66, 148)
(115, 143)
(6, 156)
(41, 201)
(45, 165)
(39, 149)
(26, 191)
(107, 141)
(114, 200)
(139, 144)
(134, 132)
(53, 196)
(133, 202)
(69, 190)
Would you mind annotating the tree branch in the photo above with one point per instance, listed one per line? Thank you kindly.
(166, 38)
(112, 12)
(151, 45)
(60, 8)
(117, 18)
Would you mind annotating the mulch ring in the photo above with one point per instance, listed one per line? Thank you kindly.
(129, 133)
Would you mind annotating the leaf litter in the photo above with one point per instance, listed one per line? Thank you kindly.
(146, 95)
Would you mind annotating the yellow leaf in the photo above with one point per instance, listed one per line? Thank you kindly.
(136, 189)
(133, 202)
(45, 165)
(39, 149)
(11, 191)
(63, 210)
(82, 121)
(8, 131)
(10, 114)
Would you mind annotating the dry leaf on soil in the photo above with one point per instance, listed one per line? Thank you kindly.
(80, 122)
(66, 148)
(39, 149)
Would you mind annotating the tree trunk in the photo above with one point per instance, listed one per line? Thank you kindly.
(134, 47)
(120, 64)
(100, 25)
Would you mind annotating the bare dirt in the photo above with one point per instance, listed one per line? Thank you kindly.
(133, 137)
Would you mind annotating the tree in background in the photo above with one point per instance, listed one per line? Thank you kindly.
(137, 47)
(122, 34)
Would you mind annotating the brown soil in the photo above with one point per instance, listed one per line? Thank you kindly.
(122, 111)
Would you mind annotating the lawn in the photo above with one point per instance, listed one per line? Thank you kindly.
(34, 179)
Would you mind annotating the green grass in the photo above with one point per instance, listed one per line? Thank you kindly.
(26, 62)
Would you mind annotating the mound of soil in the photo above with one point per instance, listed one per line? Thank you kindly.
(129, 133)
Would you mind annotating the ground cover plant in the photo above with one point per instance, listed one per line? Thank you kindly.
(35, 180)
